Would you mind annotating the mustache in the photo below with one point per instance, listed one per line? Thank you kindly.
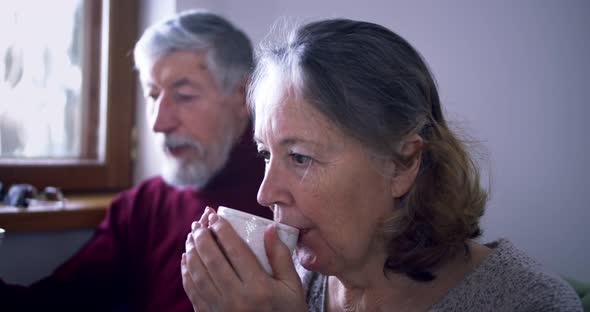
(173, 141)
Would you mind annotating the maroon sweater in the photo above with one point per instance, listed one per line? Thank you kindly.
(133, 260)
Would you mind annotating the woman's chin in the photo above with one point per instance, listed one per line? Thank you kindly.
(307, 259)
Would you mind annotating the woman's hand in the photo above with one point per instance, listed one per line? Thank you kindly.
(221, 273)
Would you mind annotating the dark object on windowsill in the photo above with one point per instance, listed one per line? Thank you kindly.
(51, 197)
(51, 193)
(2, 191)
(19, 194)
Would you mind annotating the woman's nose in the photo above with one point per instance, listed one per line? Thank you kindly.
(272, 189)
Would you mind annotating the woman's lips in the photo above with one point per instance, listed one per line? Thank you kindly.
(303, 227)
(302, 234)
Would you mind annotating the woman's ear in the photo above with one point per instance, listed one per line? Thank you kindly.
(406, 171)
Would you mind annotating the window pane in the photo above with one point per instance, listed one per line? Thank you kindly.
(96, 106)
(42, 58)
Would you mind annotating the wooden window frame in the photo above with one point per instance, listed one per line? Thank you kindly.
(115, 172)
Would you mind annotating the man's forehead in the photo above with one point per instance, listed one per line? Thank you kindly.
(176, 82)
(174, 66)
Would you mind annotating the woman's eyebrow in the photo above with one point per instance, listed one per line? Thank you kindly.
(288, 141)
(291, 140)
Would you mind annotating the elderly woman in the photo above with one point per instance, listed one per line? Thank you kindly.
(360, 158)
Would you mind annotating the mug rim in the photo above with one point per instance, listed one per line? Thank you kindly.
(281, 226)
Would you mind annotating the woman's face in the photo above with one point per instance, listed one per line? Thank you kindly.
(324, 183)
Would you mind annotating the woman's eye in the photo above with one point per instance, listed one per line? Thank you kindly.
(264, 155)
(300, 159)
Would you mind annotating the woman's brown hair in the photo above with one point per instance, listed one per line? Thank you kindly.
(377, 89)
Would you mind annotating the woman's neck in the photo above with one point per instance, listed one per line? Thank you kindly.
(379, 293)
(371, 289)
(366, 288)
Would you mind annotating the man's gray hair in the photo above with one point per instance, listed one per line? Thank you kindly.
(229, 51)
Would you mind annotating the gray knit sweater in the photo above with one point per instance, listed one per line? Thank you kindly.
(507, 280)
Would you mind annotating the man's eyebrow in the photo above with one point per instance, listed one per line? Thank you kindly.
(183, 82)
(147, 84)
(176, 84)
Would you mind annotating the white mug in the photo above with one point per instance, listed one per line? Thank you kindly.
(251, 229)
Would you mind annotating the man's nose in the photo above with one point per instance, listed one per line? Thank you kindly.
(165, 118)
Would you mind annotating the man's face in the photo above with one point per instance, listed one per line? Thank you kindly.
(196, 122)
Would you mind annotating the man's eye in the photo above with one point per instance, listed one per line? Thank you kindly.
(184, 97)
(300, 159)
(152, 96)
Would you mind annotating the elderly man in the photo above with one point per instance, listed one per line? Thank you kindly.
(193, 69)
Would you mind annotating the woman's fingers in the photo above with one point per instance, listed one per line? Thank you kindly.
(281, 261)
(220, 272)
(191, 290)
(279, 256)
(213, 261)
(201, 280)
(204, 220)
(235, 249)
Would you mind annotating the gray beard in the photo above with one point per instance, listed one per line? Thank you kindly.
(195, 173)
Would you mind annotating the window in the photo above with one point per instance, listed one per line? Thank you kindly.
(67, 93)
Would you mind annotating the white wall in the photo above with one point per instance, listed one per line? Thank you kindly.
(515, 75)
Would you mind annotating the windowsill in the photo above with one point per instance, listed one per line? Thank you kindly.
(80, 211)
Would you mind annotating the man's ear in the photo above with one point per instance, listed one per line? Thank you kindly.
(241, 94)
(406, 170)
